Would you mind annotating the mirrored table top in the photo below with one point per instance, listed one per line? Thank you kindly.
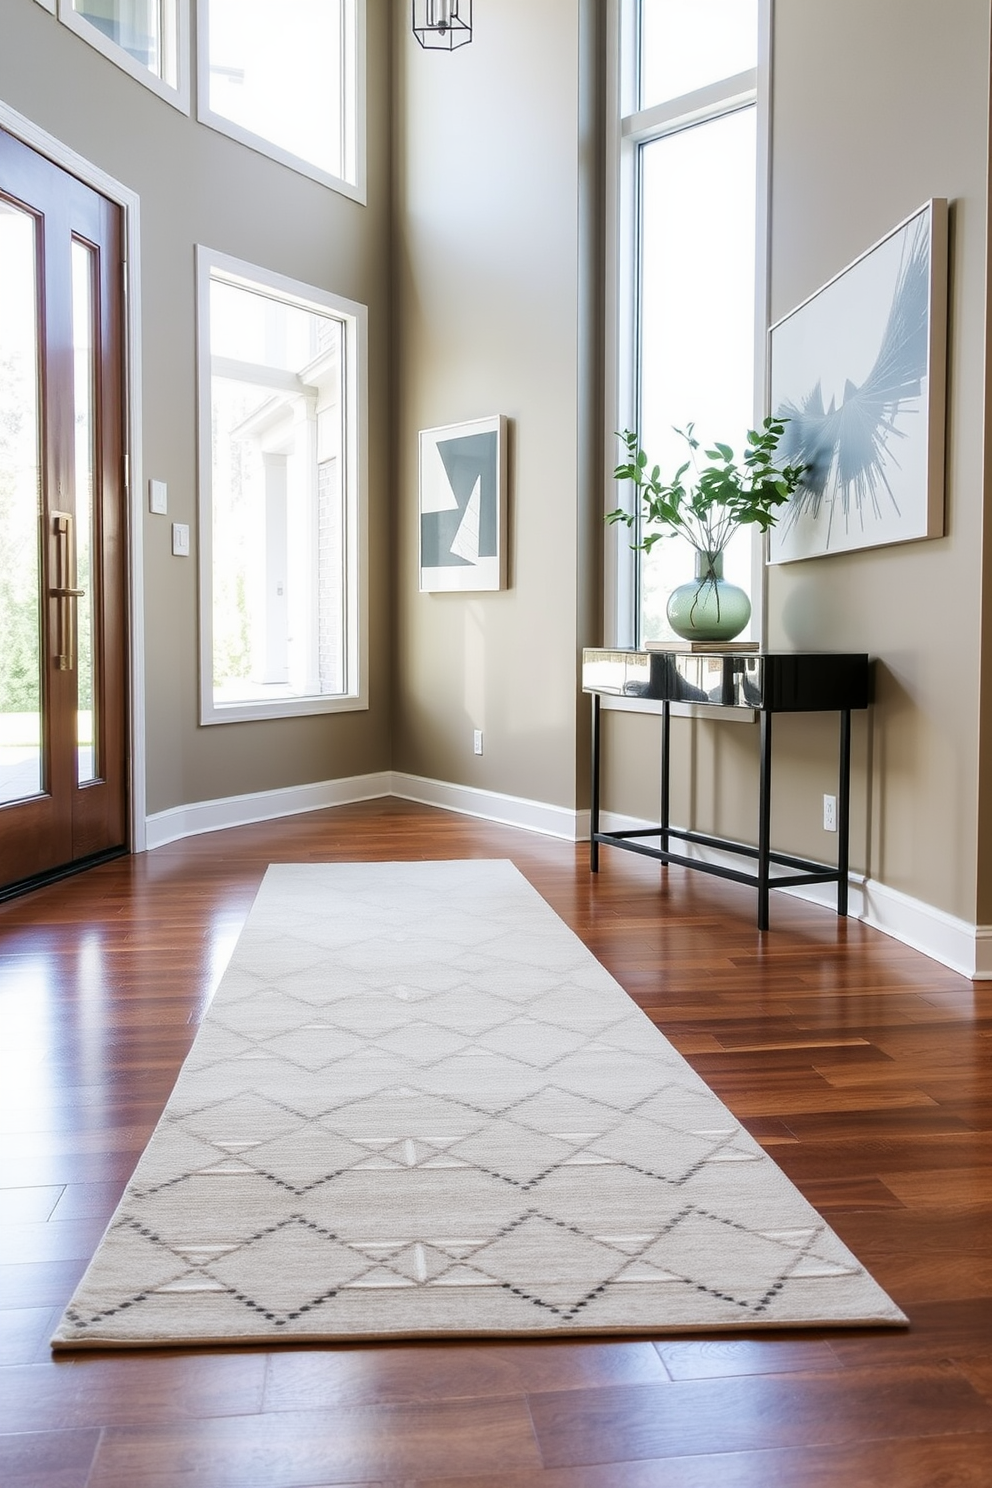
(777, 681)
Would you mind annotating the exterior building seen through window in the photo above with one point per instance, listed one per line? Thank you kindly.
(279, 482)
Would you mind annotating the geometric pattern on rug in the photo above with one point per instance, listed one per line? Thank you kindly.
(418, 1106)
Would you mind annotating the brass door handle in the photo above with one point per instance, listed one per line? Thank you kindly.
(64, 591)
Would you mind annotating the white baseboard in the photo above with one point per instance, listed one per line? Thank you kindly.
(983, 954)
(241, 811)
(953, 942)
(956, 944)
(512, 811)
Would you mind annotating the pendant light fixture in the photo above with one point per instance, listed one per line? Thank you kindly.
(442, 25)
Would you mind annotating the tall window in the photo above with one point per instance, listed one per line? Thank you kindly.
(689, 140)
(147, 38)
(285, 76)
(280, 507)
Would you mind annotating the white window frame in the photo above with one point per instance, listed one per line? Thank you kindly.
(179, 93)
(630, 127)
(353, 106)
(354, 388)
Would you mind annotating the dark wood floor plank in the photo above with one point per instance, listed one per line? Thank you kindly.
(39, 1284)
(302, 1448)
(94, 1167)
(934, 1462)
(978, 1372)
(955, 1330)
(55, 1459)
(28, 1205)
(748, 1413)
(864, 1068)
(72, 1241)
(25, 1334)
(827, 1194)
(870, 1154)
(922, 1256)
(718, 1358)
(89, 1200)
(122, 1391)
(317, 1378)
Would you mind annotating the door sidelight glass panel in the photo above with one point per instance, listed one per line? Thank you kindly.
(81, 581)
(20, 511)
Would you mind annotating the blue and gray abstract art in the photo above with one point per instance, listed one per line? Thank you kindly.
(468, 530)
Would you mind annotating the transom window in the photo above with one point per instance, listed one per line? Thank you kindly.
(687, 44)
(688, 138)
(281, 512)
(284, 76)
(147, 38)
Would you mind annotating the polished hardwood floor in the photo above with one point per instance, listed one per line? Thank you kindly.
(864, 1068)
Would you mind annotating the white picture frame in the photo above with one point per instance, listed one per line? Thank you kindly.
(462, 506)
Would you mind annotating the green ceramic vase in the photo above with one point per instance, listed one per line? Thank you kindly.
(708, 608)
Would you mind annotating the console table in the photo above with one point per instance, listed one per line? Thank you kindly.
(767, 682)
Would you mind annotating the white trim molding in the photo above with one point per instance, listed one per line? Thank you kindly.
(259, 806)
(983, 954)
(241, 811)
(494, 806)
(955, 943)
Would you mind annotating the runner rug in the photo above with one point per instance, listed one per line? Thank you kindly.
(419, 1106)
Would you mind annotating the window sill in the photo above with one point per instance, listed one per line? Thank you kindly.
(299, 707)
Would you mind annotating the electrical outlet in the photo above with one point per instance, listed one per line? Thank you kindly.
(477, 741)
(830, 813)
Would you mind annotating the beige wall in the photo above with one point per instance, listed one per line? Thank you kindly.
(896, 111)
(197, 186)
(876, 108)
(495, 314)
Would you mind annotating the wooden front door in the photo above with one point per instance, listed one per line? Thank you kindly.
(63, 707)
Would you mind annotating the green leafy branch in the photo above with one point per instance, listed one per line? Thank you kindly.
(718, 498)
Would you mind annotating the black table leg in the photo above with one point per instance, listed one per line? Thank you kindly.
(594, 797)
(844, 811)
(764, 819)
(666, 758)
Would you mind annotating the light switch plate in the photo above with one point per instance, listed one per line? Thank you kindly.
(158, 497)
(180, 539)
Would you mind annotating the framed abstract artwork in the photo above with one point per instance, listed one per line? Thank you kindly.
(463, 506)
(858, 372)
